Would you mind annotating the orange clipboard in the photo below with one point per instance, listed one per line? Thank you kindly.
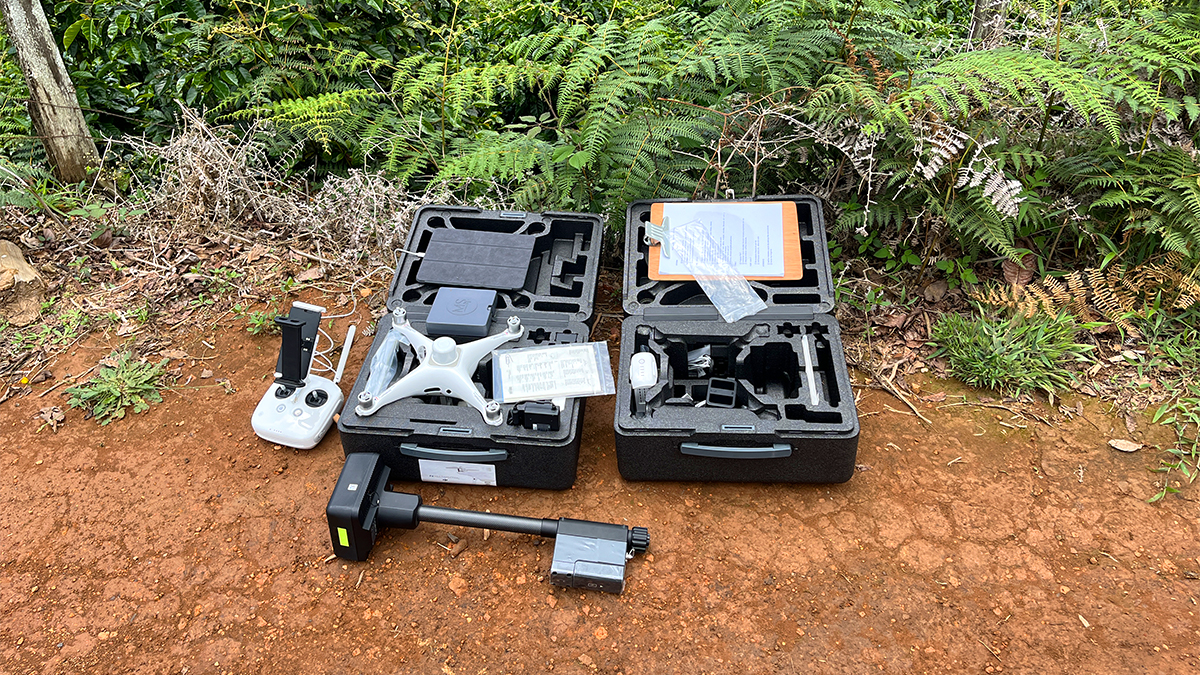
(793, 259)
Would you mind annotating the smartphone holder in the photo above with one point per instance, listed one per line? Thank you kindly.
(299, 407)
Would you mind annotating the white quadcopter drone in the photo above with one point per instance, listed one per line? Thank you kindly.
(445, 368)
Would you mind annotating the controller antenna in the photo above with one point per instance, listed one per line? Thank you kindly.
(337, 377)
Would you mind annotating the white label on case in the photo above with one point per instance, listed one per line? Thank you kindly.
(433, 471)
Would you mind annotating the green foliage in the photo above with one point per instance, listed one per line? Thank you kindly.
(118, 386)
(260, 322)
(56, 329)
(1151, 199)
(946, 149)
(1174, 363)
(1014, 355)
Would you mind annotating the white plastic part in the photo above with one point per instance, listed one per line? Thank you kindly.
(445, 369)
(294, 420)
(337, 376)
(643, 374)
(808, 372)
(310, 307)
(444, 351)
(643, 370)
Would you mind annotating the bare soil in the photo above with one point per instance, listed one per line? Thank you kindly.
(176, 541)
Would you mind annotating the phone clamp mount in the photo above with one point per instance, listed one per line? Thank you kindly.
(445, 369)
(299, 407)
(587, 554)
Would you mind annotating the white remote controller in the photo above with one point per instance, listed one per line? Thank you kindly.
(299, 407)
(297, 418)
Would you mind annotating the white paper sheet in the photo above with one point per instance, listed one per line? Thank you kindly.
(749, 235)
(433, 471)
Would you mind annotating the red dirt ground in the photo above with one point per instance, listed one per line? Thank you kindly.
(176, 541)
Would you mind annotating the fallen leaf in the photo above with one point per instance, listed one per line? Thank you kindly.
(1019, 274)
(891, 320)
(52, 415)
(311, 274)
(104, 239)
(1124, 445)
(935, 291)
(205, 374)
(257, 251)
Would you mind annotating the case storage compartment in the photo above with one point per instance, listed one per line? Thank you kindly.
(442, 439)
(733, 401)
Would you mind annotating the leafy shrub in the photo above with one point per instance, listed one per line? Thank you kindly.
(118, 386)
(1077, 132)
(1014, 355)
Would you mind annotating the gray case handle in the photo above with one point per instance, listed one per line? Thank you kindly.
(413, 450)
(772, 452)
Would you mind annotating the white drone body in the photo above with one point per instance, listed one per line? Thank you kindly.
(445, 369)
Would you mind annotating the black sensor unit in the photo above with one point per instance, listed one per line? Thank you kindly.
(586, 554)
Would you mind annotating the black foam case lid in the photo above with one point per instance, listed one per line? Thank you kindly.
(561, 266)
(685, 300)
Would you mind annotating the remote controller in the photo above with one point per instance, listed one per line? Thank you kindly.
(297, 417)
(299, 407)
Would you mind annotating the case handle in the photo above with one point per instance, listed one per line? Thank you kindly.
(414, 450)
(771, 452)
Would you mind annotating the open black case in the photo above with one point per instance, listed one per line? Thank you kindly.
(441, 439)
(745, 412)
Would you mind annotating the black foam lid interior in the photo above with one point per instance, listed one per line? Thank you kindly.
(476, 259)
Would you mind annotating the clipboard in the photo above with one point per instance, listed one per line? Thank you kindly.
(793, 259)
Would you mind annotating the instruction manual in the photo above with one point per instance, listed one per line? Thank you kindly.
(557, 371)
(749, 235)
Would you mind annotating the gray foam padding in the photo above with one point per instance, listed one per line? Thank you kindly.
(476, 259)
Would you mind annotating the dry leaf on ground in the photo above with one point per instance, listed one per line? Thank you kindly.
(1124, 445)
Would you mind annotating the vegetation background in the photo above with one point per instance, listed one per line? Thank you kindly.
(1072, 129)
(945, 136)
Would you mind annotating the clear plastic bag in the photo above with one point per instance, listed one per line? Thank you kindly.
(728, 290)
(385, 362)
(557, 371)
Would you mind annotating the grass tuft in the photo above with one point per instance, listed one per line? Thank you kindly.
(1013, 355)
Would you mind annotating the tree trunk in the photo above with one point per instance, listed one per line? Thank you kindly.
(21, 287)
(987, 23)
(53, 106)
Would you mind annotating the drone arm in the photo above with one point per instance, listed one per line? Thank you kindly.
(402, 388)
(420, 343)
(474, 352)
